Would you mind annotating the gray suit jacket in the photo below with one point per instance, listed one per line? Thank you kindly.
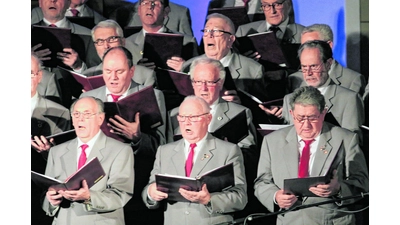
(345, 105)
(178, 19)
(149, 142)
(135, 44)
(247, 74)
(224, 112)
(108, 196)
(340, 75)
(48, 86)
(37, 14)
(279, 160)
(170, 159)
(291, 33)
(142, 75)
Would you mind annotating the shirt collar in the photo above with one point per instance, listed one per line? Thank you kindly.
(61, 23)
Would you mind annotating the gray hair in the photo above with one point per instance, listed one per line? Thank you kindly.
(307, 95)
(99, 102)
(205, 60)
(226, 19)
(108, 24)
(205, 106)
(323, 30)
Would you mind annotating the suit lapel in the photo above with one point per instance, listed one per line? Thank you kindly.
(329, 95)
(204, 156)
(69, 158)
(325, 154)
(290, 153)
(220, 116)
(235, 66)
(177, 157)
(98, 147)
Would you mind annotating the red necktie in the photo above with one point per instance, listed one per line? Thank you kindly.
(74, 12)
(115, 97)
(82, 158)
(52, 25)
(246, 2)
(304, 160)
(189, 160)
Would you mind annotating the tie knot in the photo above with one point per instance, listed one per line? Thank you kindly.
(192, 146)
(84, 147)
(274, 29)
(74, 12)
(115, 97)
(308, 142)
(52, 25)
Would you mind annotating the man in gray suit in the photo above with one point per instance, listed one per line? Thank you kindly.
(152, 14)
(279, 160)
(83, 11)
(345, 107)
(210, 152)
(47, 118)
(104, 201)
(178, 18)
(340, 75)
(277, 20)
(107, 34)
(118, 69)
(208, 76)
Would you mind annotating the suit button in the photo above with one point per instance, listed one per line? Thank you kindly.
(187, 212)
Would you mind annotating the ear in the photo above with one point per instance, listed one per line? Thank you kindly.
(167, 10)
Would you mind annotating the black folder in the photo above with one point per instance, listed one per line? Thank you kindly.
(84, 21)
(159, 47)
(53, 38)
(143, 101)
(129, 30)
(237, 14)
(217, 180)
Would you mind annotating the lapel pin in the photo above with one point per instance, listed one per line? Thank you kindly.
(205, 156)
(323, 149)
(219, 118)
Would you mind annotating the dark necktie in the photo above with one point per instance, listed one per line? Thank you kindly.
(246, 2)
(74, 12)
(82, 158)
(274, 29)
(52, 25)
(115, 97)
(189, 160)
(304, 160)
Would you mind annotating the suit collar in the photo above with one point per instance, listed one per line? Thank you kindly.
(205, 155)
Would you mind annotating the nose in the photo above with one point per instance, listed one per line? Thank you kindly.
(273, 9)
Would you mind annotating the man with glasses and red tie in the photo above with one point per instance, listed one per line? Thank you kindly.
(307, 149)
(345, 107)
(203, 152)
(104, 201)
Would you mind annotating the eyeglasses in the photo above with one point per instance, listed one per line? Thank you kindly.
(151, 3)
(311, 119)
(275, 5)
(214, 33)
(86, 115)
(314, 68)
(112, 39)
(208, 83)
(195, 118)
(34, 74)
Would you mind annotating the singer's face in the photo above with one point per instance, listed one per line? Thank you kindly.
(152, 15)
(217, 46)
(116, 72)
(193, 131)
(104, 33)
(275, 16)
(307, 120)
(206, 72)
(87, 128)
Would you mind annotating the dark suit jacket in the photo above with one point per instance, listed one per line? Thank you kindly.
(340, 75)
(108, 195)
(178, 19)
(279, 160)
(290, 33)
(170, 159)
